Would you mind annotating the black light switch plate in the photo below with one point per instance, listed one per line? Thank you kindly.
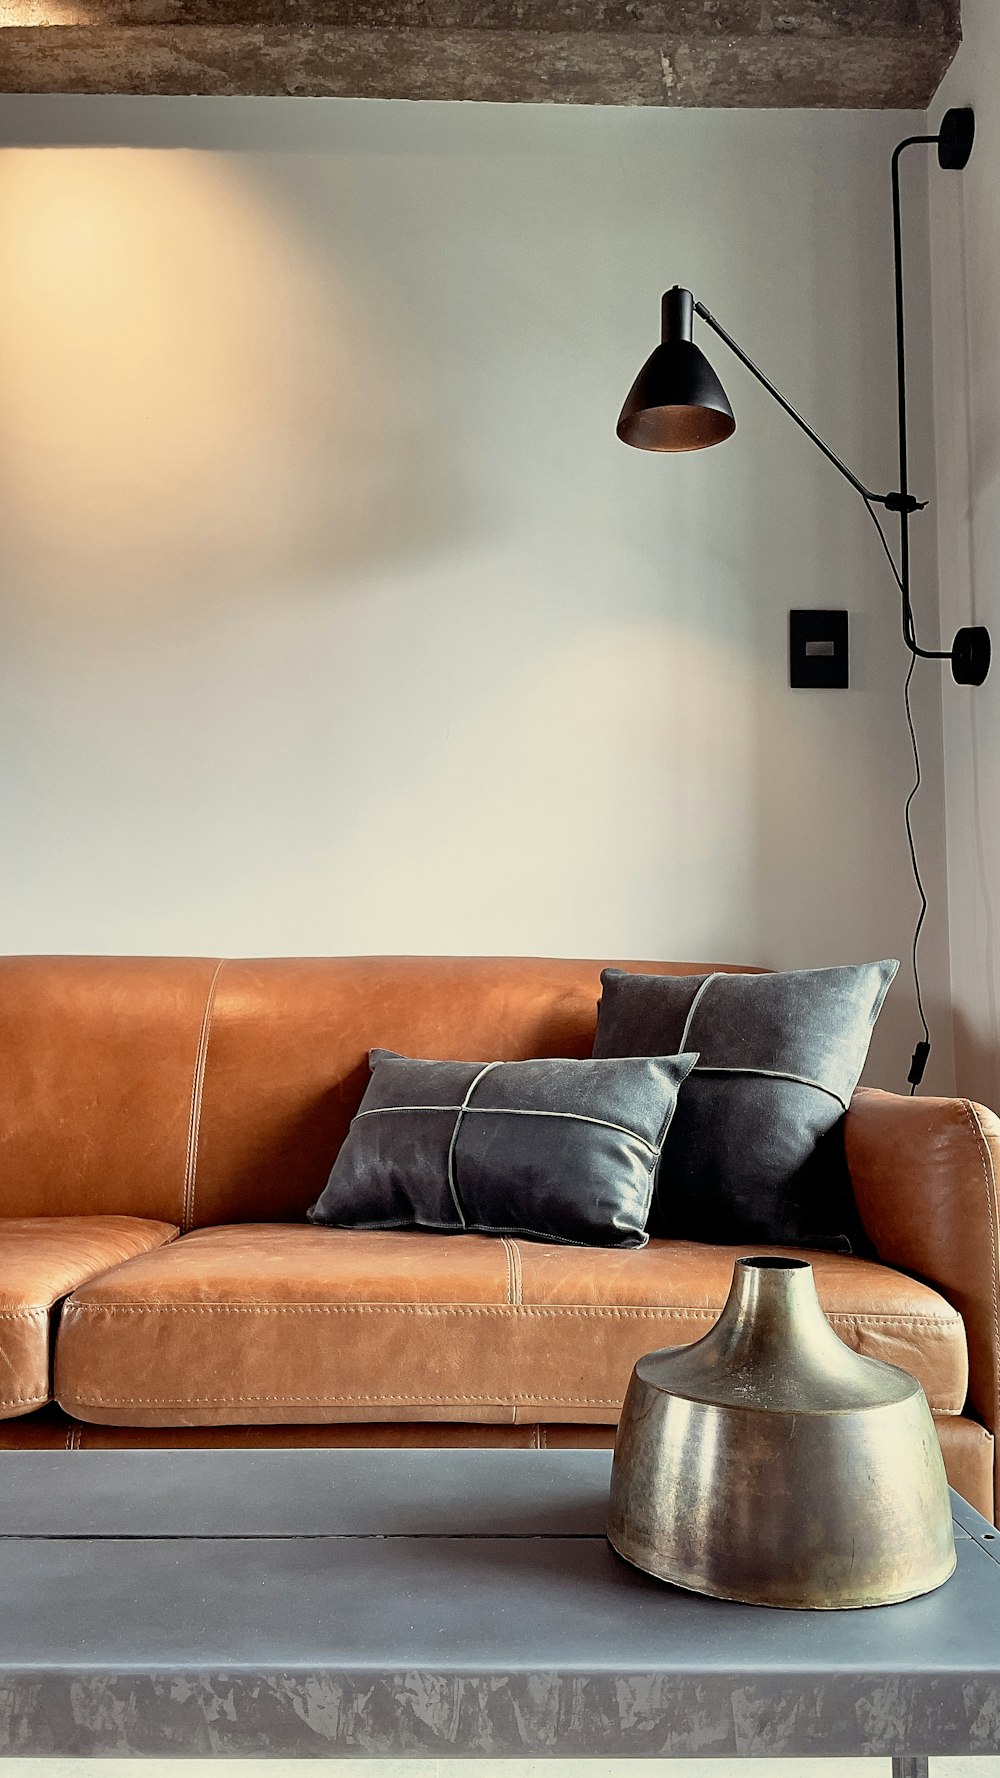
(818, 649)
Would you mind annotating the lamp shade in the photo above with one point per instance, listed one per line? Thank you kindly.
(676, 402)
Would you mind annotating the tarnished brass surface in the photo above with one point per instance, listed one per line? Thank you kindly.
(770, 1463)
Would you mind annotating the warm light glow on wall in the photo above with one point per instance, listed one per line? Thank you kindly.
(47, 12)
(187, 402)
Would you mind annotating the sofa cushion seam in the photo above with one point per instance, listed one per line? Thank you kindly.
(936, 1323)
(34, 1310)
(518, 1274)
(367, 1400)
(505, 1243)
(197, 1092)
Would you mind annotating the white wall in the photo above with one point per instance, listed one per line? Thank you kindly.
(336, 618)
(965, 238)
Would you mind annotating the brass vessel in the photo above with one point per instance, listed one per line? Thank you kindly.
(770, 1463)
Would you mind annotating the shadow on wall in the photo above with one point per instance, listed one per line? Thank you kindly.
(190, 404)
(977, 1063)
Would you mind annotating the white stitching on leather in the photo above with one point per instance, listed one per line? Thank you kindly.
(197, 1090)
(335, 1401)
(510, 1269)
(610, 1311)
(518, 1275)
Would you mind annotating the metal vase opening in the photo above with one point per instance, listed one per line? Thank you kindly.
(770, 1463)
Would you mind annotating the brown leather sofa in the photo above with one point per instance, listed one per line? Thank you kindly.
(164, 1124)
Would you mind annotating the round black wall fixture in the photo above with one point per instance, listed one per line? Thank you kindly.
(970, 655)
(955, 138)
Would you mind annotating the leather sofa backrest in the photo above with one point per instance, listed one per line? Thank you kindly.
(204, 1091)
(97, 1056)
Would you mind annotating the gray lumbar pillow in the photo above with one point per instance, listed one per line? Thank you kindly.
(560, 1150)
(755, 1152)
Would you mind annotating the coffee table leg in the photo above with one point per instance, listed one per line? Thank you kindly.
(910, 1765)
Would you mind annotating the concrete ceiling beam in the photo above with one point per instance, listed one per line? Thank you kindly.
(865, 54)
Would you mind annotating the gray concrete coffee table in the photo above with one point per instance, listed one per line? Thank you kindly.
(445, 1603)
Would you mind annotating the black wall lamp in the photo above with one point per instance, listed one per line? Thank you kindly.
(677, 403)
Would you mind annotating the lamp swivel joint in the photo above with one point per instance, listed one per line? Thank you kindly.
(902, 503)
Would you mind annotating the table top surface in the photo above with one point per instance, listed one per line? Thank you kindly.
(458, 1578)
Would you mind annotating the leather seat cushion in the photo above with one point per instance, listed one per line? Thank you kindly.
(42, 1258)
(277, 1323)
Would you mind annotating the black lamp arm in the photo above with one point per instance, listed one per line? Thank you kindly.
(970, 652)
(906, 505)
(892, 501)
(903, 502)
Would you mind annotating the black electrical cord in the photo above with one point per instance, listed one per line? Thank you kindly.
(970, 653)
(909, 635)
(923, 1048)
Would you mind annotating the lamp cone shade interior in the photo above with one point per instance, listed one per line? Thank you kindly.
(676, 402)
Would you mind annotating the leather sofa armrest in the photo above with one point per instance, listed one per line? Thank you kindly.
(925, 1175)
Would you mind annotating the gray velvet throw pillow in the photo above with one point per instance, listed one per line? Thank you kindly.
(556, 1149)
(755, 1152)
